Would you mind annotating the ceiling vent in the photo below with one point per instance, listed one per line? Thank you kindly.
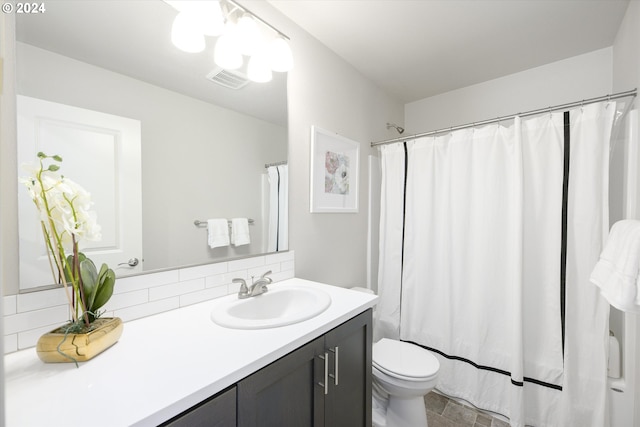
(228, 78)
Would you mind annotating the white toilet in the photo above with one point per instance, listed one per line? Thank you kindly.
(403, 374)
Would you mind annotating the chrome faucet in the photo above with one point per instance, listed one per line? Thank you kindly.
(257, 287)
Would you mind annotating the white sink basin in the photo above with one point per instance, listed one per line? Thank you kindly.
(280, 306)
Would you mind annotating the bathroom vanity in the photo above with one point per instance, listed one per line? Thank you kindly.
(179, 368)
(326, 382)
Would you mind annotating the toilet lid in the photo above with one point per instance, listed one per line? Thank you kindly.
(404, 359)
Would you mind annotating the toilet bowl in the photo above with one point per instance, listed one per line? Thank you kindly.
(403, 374)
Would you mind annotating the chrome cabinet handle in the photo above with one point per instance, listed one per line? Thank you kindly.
(337, 362)
(325, 384)
(131, 263)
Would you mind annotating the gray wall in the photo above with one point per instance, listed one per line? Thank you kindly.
(569, 80)
(326, 92)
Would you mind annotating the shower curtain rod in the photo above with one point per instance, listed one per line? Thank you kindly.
(618, 95)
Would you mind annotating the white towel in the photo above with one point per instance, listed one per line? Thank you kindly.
(616, 272)
(218, 232)
(240, 231)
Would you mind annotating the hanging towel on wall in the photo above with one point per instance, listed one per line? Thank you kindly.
(240, 231)
(617, 271)
(218, 232)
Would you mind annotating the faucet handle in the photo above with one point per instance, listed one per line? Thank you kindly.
(244, 290)
(268, 279)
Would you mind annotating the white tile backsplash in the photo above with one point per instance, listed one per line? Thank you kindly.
(259, 271)
(10, 305)
(19, 322)
(42, 299)
(127, 299)
(10, 343)
(176, 289)
(147, 309)
(202, 271)
(27, 316)
(203, 295)
(146, 281)
(217, 280)
(246, 263)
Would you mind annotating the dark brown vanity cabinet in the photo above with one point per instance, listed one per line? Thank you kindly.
(326, 382)
(348, 401)
(217, 411)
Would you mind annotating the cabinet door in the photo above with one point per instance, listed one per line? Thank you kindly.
(285, 393)
(348, 403)
(217, 411)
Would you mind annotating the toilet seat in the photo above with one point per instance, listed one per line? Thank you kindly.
(404, 360)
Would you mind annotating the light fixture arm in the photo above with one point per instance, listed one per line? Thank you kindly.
(239, 6)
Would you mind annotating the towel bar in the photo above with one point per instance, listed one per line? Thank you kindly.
(203, 224)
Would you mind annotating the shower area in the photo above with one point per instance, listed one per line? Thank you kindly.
(488, 234)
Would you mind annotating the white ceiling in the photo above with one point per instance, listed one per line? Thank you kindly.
(414, 49)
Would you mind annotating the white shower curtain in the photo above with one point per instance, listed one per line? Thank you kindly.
(278, 233)
(472, 262)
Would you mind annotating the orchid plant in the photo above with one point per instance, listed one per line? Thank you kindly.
(66, 218)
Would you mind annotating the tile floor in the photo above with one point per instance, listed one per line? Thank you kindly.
(443, 412)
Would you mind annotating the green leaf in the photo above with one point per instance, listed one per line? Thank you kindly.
(41, 155)
(106, 282)
(56, 158)
(70, 263)
(53, 168)
(89, 276)
(103, 271)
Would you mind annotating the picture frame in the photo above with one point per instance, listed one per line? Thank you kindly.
(335, 169)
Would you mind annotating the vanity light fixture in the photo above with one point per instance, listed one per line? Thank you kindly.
(226, 53)
(248, 33)
(240, 33)
(185, 36)
(259, 67)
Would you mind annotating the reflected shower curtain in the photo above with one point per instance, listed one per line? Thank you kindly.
(486, 262)
(278, 232)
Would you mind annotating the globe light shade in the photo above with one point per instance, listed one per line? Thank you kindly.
(211, 18)
(259, 69)
(280, 55)
(249, 37)
(185, 34)
(226, 53)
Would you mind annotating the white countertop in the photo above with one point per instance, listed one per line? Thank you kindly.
(161, 366)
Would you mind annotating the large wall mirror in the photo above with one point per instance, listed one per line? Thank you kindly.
(204, 147)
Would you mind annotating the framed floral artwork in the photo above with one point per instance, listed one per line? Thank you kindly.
(335, 165)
